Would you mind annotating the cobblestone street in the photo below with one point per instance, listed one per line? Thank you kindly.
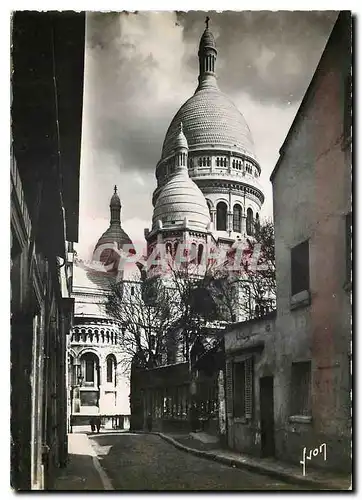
(146, 462)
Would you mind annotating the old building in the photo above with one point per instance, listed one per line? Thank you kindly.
(47, 96)
(97, 380)
(288, 377)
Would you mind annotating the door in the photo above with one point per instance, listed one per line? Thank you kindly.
(267, 416)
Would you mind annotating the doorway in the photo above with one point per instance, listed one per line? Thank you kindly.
(267, 416)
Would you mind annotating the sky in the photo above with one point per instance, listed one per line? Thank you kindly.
(141, 67)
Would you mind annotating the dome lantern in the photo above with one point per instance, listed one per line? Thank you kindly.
(207, 59)
(115, 208)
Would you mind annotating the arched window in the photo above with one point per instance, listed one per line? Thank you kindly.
(168, 248)
(193, 253)
(89, 366)
(257, 223)
(208, 161)
(237, 219)
(111, 368)
(221, 213)
(217, 162)
(175, 247)
(204, 162)
(249, 222)
(200, 162)
(199, 253)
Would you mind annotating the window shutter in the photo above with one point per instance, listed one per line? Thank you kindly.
(248, 387)
(229, 389)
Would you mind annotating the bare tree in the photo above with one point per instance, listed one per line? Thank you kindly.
(144, 323)
(246, 284)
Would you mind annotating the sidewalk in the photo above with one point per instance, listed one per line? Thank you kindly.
(291, 473)
(83, 471)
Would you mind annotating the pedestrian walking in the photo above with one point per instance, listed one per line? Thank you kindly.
(92, 424)
(98, 423)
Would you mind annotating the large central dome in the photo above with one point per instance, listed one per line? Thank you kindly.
(209, 118)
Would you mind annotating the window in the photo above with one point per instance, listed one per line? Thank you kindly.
(249, 222)
(132, 290)
(301, 388)
(349, 247)
(89, 370)
(193, 253)
(199, 253)
(237, 218)
(110, 369)
(300, 267)
(217, 162)
(242, 388)
(221, 212)
(168, 248)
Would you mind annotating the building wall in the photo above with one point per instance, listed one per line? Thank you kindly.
(40, 321)
(312, 195)
(255, 338)
(47, 60)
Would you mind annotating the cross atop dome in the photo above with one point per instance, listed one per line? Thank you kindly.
(207, 22)
(115, 189)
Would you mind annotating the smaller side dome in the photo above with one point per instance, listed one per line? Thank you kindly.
(181, 141)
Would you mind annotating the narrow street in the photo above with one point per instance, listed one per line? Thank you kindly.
(146, 462)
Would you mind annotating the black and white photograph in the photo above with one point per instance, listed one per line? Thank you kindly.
(181, 250)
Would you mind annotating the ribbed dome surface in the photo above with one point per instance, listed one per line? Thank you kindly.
(181, 198)
(114, 234)
(210, 119)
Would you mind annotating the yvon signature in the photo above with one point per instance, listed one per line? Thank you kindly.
(313, 453)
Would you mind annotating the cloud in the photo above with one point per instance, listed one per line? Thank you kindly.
(140, 68)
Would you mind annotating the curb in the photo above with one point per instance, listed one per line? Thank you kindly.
(287, 477)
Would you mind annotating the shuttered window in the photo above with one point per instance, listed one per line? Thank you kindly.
(241, 388)
(229, 388)
(301, 388)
